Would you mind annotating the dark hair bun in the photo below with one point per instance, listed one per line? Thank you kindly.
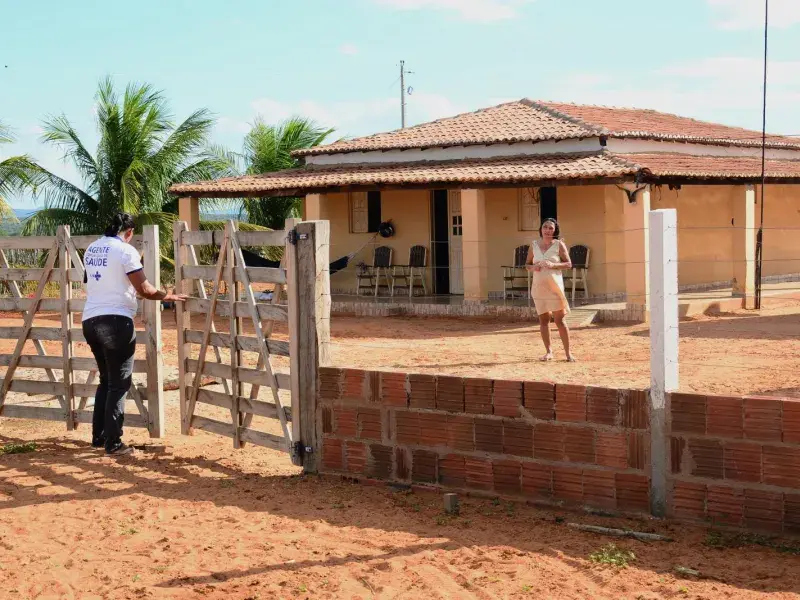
(120, 222)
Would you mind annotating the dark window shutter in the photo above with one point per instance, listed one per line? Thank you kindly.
(373, 211)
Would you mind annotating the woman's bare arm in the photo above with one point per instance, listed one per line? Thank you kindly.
(147, 290)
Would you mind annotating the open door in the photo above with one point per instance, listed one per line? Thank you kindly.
(456, 246)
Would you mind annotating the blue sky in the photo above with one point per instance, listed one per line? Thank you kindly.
(337, 60)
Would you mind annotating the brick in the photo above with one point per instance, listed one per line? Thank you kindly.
(423, 466)
(394, 391)
(355, 454)
(791, 514)
(633, 492)
(507, 398)
(355, 387)
(406, 427)
(380, 461)
(763, 511)
(762, 419)
(450, 393)
(330, 383)
(677, 449)
(599, 489)
(706, 456)
(725, 416)
(540, 399)
(518, 438)
(634, 407)
(611, 449)
(333, 454)
(402, 464)
(452, 471)
(638, 450)
(506, 475)
(537, 480)
(570, 403)
(461, 432)
(688, 413)
(579, 444)
(432, 429)
(688, 500)
(725, 505)
(568, 484)
(327, 419)
(478, 396)
(422, 391)
(791, 421)
(370, 424)
(602, 406)
(548, 441)
(781, 466)
(488, 435)
(742, 461)
(479, 473)
(346, 421)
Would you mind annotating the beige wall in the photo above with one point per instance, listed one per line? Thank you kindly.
(408, 210)
(781, 228)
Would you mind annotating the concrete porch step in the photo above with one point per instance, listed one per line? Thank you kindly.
(581, 317)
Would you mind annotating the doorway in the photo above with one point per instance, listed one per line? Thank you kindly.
(446, 247)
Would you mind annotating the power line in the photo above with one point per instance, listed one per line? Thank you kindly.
(760, 235)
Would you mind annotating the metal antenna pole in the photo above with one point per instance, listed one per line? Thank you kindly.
(760, 235)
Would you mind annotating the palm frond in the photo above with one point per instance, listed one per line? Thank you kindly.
(59, 131)
(46, 222)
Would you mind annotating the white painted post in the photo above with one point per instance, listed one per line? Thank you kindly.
(663, 344)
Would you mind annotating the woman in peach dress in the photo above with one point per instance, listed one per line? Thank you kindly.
(547, 257)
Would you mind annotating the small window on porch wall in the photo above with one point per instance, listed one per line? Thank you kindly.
(365, 212)
(528, 209)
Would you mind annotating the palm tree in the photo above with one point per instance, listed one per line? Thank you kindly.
(16, 173)
(139, 155)
(268, 148)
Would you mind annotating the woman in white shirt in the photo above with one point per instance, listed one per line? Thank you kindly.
(114, 275)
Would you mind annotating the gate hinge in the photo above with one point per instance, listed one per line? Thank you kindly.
(298, 449)
(293, 236)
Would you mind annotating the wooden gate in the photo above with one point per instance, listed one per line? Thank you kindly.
(278, 384)
(54, 298)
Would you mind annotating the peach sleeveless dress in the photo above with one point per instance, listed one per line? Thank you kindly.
(547, 285)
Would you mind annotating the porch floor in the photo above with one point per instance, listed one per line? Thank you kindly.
(690, 304)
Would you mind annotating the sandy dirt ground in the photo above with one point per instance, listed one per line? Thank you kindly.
(192, 518)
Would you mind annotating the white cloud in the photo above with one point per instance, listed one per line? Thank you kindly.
(749, 14)
(348, 49)
(469, 10)
(228, 125)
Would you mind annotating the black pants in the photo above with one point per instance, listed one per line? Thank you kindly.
(112, 339)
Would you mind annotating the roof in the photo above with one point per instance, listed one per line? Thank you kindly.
(514, 170)
(535, 121)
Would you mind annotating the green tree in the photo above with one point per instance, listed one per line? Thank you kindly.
(16, 173)
(266, 149)
(140, 154)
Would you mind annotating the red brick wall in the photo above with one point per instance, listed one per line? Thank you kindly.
(735, 461)
(552, 443)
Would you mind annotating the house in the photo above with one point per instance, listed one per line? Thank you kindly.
(473, 187)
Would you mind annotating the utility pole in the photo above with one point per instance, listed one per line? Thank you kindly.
(760, 234)
(403, 74)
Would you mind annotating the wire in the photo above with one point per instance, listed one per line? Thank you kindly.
(760, 235)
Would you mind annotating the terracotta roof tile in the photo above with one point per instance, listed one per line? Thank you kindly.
(456, 172)
(718, 167)
(532, 121)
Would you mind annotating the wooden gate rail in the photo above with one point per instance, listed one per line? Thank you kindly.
(240, 304)
(72, 396)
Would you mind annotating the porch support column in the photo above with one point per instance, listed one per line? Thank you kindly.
(474, 245)
(744, 246)
(189, 211)
(637, 254)
(312, 206)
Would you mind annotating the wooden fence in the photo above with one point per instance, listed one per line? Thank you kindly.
(63, 266)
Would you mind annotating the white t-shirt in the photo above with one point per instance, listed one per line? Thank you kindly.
(108, 262)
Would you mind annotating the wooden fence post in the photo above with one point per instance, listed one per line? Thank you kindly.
(182, 320)
(309, 330)
(65, 262)
(663, 344)
(152, 319)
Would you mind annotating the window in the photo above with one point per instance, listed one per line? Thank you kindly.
(458, 225)
(528, 209)
(365, 212)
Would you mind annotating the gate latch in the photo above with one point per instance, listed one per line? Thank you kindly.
(294, 236)
(300, 450)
